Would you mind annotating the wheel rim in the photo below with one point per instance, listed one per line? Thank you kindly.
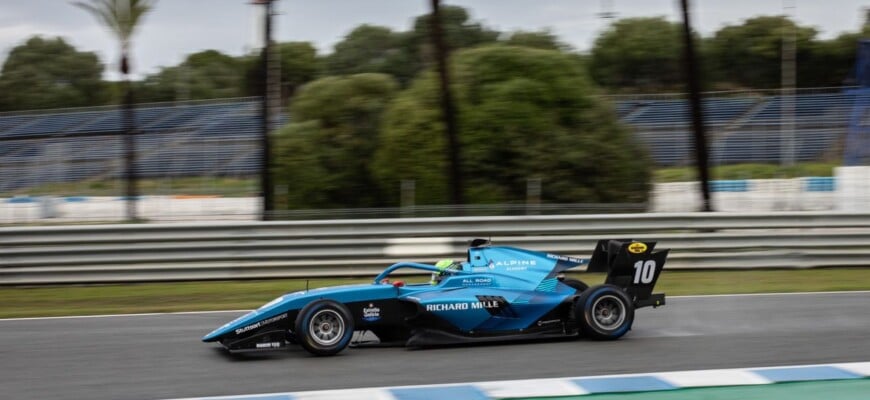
(326, 327)
(608, 312)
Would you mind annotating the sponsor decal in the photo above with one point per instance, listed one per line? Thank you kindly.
(247, 328)
(566, 258)
(270, 345)
(637, 247)
(473, 282)
(475, 305)
(513, 263)
(489, 266)
(261, 323)
(485, 304)
(447, 307)
(371, 313)
(549, 321)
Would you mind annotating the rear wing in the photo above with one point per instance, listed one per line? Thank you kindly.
(633, 266)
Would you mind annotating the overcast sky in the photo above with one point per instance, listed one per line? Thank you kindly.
(179, 27)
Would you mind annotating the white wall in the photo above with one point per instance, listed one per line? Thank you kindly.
(853, 188)
(762, 195)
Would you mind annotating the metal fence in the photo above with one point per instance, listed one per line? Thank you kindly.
(301, 249)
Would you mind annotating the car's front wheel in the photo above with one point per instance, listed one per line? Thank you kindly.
(324, 327)
(605, 312)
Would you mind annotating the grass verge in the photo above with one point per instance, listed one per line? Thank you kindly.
(209, 185)
(746, 171)
(227, 295)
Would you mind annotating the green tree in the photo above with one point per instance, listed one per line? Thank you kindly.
(638, 53)
(324, 156)
(50, 73)
(299, 65)
(831, 62)
(212, 74)
(750, 54)
(460, 31)
(207, 74)
(165, 85)
(367, 48)
(543, 39)
(525, 113)
(403, 55)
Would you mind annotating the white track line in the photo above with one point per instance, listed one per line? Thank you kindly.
(679, 379)
(847, 292)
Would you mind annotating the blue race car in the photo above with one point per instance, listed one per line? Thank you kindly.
(499, 293)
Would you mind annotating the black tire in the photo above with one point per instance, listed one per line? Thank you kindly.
(324, 327)
(604, 312)
(576, 284)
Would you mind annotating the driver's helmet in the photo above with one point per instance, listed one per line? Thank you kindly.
(443, 266)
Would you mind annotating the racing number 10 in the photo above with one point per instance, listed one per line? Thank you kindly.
(644, 271)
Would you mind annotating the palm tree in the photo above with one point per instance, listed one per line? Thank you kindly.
(122, 17)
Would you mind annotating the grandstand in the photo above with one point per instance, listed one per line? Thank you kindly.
(187, 139)
(858, 140)
(742, 127)
(220, 138)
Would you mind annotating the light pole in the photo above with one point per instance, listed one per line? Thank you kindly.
(788, 83)
(266, 160)
(447, 106)
(607, 10)
(694, 85)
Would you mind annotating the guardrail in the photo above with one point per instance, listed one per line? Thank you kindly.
(246, 250)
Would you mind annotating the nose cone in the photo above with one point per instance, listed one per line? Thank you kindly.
(217, 333)
(229, 326)
(211, 337)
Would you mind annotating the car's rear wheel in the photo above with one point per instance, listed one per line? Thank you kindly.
(605, 312)
(324, 327)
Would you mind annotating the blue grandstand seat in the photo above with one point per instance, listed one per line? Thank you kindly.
(828, 107)
(676, 112)
(51, 123)
(111, 121)
(9, 122)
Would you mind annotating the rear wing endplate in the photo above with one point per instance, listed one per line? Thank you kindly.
(631, 265)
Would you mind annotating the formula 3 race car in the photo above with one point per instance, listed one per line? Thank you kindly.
(499, 293)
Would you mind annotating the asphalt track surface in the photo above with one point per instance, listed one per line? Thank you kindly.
(160, 356)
